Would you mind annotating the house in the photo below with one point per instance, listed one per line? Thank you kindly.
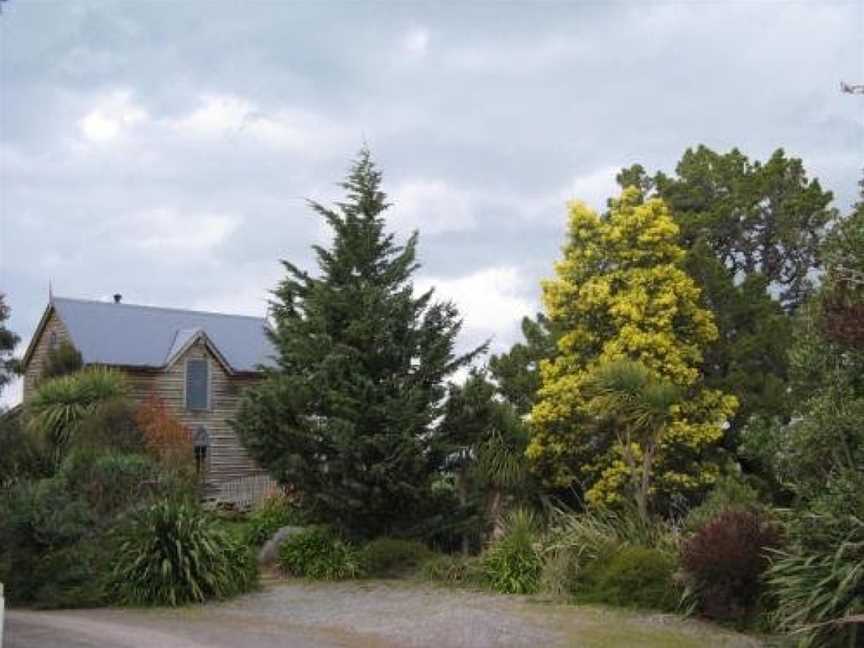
(196, 362)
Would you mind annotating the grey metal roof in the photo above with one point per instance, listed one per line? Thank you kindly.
(146, 336)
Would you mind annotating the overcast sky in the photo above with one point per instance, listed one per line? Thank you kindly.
(164, 150)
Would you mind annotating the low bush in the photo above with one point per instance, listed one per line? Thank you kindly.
(392, 556)
(634, 577)
(173, 553)
(723, 563)
(319, 553)
(273, 513)
(729, 494)
(512, 565)
(38, 520)
(576, 540)
(817, 582)
(454, 569)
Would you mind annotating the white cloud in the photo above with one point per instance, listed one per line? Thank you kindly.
(416, 42)
(593, 188)
(113, 114)
(490, 301)
(166, 229)
(432, 206)
(230, 116)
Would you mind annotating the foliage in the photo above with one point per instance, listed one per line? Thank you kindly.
(392, 556)
(22, 457)
(320, 554)
(455, 570)
(165, 437)
(752, 233)
(484, 440)
(172, 553)
(764, 218)
(361, 368)
(818, 579)
(60, 361)
(620, 292)
(577, 540)
(113, 426)
(8, 341)
(639, 407)
(60, 405)
(517, 372)
(270, 515)
(111, 481)
(724, 562)
(729, 494)
(512, 565)
(634, 576)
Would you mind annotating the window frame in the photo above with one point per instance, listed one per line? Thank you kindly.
(207, 389)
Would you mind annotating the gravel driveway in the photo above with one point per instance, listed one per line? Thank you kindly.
(359, 614)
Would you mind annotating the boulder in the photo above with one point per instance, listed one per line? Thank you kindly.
(269, 553)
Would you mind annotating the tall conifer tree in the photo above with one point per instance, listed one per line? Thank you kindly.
(348, 417)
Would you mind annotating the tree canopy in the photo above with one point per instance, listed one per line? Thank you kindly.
(620, 292)
(348, 416)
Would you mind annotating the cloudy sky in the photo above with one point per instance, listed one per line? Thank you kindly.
(164, 150)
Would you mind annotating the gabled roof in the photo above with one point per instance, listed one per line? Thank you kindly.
(149, 337)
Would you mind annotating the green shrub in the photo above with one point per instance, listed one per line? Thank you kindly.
(818, 581)
(634, 577)
(729, 494)
(454, 570)
(38, 520)
(392, 556)
(173, 553)
(108, 481)
(269, 516)
(576, 540)
(512, 565)
(320, 554)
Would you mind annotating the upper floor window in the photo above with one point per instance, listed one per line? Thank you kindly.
(53, 341)
(197, 385)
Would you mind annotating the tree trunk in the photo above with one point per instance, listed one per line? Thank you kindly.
(462, 491)
(494, 514)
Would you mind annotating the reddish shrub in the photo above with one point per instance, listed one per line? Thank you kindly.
(724, 560)
(165, 437)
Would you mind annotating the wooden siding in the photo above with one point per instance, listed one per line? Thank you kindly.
(226, 457)
(33, 370)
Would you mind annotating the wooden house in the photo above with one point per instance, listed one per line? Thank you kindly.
(196, 362)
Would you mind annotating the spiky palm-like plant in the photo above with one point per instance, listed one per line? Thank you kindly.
(640, 405)
(60, 405)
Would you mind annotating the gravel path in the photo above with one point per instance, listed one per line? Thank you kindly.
(357, 615)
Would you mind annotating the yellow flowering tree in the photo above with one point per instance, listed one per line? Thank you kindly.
(620, 293)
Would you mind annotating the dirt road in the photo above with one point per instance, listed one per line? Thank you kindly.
(361, 614)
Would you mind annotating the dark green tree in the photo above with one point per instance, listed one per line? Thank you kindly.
(752, 231)
(348, 417)
(60, 361)
(517, 372)
(485, 440)
(8, 341)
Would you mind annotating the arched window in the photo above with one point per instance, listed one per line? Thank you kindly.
(201, 441)
(53, 341)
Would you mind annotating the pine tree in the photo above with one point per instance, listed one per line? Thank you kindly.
(348, 418)
(8, 341)
(621, 293)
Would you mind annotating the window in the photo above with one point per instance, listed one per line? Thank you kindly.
(53, 341)
(197, 385)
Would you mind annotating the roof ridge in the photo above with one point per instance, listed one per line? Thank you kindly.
(157, 308)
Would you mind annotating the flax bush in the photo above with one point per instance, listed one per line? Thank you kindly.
(320, 554)
(173, 553)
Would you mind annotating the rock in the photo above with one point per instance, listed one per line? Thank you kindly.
(269, 553)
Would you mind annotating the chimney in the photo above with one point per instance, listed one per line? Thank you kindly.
(117, 298)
